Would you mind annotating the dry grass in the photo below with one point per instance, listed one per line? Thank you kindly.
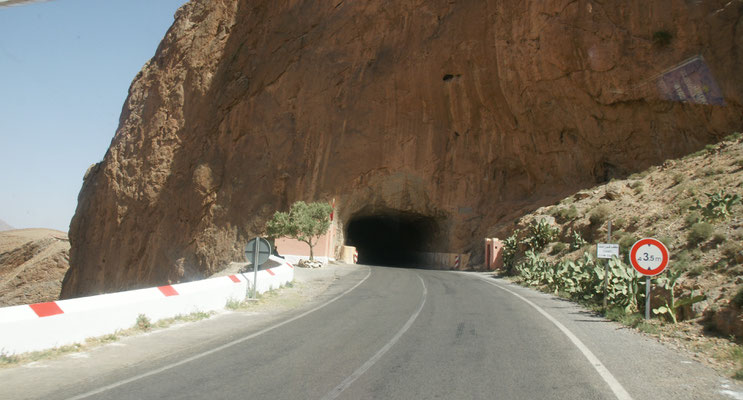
(141, 325)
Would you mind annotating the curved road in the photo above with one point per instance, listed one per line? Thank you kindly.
(387, 333)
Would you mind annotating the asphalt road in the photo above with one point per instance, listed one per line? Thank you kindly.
(388, 333)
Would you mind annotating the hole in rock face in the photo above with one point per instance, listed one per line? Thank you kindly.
(392, 238)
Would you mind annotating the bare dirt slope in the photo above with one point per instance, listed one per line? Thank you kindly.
(661, 202)
(33, 263)
(668, 202)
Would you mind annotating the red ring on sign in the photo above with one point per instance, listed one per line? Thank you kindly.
(656, 243)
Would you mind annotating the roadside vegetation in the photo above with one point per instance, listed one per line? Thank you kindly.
(142, 324)
(267, 298)
(305, 222)
(692, 205)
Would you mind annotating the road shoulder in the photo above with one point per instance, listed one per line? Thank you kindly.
(644, 366)
(116, 360)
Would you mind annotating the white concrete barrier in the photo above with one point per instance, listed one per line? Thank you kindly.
(47, 325)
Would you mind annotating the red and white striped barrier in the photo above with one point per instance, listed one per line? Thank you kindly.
(47, 325)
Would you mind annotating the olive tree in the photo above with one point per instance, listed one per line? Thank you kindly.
(304, 222)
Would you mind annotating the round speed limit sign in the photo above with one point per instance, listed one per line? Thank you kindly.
(649, 256)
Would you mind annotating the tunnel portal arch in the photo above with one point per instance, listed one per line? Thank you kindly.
(393, 238)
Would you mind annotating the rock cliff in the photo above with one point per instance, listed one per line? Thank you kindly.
(464, 112)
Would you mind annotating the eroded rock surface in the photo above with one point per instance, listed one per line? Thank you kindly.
(32, 265)
(468, 112)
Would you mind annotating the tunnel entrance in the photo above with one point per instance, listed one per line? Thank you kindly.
(392, 238)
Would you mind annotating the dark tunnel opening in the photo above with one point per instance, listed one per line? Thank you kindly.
(392, 239)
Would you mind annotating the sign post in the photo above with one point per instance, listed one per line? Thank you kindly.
(257, 252)
(607, 250)
(649, 257)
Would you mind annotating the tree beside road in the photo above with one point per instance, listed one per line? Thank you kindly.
(305, 222)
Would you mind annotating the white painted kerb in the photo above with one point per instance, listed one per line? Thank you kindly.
(23, 330)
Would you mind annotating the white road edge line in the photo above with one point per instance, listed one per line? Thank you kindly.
(216, 349)
(370, 362)
(610, 380)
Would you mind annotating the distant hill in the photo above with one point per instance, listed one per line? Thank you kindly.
(33, 263)
(4, 226)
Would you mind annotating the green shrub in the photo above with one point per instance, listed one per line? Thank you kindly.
(6, 359)
(731, 249)
(718, 238)
(558, 248)
(738, 298)
(735, 136)
(682, 262)
(626, 242)
(647, 327)
(666, 240)
(618, 314)
(687, 261)
(143, 322)
(653, 218)
(563, 214)
(233, 304)
(599, 215)
(583, 279)
(673, 305)
(738, 375)
(510, 249)
(695, 154)
(541, 233)
(577, 241)
(621, 222)
(719, 205)
(700, 232)
(638, 186)
(693, 217)
(696, 270)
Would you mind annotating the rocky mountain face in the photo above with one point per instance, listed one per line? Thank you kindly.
(465, 113)
(32, 265)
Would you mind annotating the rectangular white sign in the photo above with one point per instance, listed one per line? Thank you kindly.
(607, 250)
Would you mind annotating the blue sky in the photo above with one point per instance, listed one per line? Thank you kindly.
(65, 71)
